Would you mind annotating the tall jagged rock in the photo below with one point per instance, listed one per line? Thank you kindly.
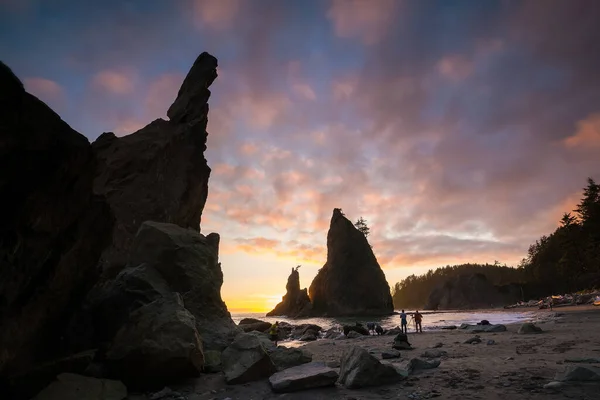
(158, 173)
(53, 228)
(351, 282)
(295, 303)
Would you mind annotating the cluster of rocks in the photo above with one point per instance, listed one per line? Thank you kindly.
(350, 283)
(572, 299)
(104, 274)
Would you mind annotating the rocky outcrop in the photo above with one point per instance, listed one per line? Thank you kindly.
(469, 291)
(158, 173)
(295, 303)
(351, 282)
(53, 227)
(166, 259)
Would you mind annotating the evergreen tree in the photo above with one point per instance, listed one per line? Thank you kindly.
(361, 225)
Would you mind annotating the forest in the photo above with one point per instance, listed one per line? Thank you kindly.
(566, 260)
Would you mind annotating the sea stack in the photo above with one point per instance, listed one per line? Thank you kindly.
(351, 282)
(295, 303)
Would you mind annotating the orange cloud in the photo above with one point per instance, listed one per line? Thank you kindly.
(587, 135)
(366, 19)
(47, 90)
(455, 67)
(120, 82)
(216, 14)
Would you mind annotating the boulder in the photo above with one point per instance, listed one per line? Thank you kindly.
(529, 328)
(401, 342)
(331, 333)
(361, 369)
(393, 331)
(355, 328)
(166, 258)
(434, 353)
(259, 326)
(301, 330)
(390, 354)
(212, 361)
(54, 227)
(469, 291)
(76, 387)
(295, 303)
(309, 336)
(158, 173)
(483, 328)
(579, 373)
(416, 364)
(354, 335)
(473, 340)
(284, 357)
(351, 282)
(264, 339)
(246, 360)
(158, 345)
(250, 321)
(303, 377)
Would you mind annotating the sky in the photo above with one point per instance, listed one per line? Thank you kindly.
(460, 130)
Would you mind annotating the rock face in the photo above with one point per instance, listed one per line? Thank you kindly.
(303, 377)
(351, 282)
(284, 357)
(53, 226)
(158, 173)
(166, 259)
(468, 291)
(360, 369)
(295, 303)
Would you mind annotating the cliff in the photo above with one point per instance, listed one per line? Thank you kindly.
(351, 282)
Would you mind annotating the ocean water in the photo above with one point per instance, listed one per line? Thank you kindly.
(432, 320)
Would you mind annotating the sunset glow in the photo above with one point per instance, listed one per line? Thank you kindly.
(460, 132)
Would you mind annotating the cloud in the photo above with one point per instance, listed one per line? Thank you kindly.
(46, 90)
(455, 67)
(118, 82)
(216, 14)
(363, 19)
(587, 135)
(304, 90)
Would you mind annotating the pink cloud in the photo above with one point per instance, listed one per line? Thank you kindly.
(304, 90)
(216, 14)
(113, 81)
(455, 67)
(46, 90)
(364, 19)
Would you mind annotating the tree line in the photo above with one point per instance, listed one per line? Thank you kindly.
(564, 261)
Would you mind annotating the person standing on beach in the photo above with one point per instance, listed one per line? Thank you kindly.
(418, 320)
(403, 322)
(274, 332)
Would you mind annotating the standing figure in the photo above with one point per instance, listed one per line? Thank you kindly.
(403, 322)
(418, 319)
(274, 332)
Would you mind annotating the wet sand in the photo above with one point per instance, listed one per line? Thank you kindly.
(515, 367)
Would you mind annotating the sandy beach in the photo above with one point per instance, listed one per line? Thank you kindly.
(515, 367)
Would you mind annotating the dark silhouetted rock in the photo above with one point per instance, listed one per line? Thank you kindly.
(158, 173)
(355, 328)
(301, 330)
(158, 345)
(351, 282)
(53, 227)
(483, 328)
(246, 360)
(468, 291)
(167, 258)
(76, 387)
(303, 377)
(295, 303)
(260, 326)
(528, 328)
(401, 342)
(579, 373)
(360, 369)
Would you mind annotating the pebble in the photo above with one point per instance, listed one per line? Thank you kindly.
(509, 358)
(491, 342)
(553, 385)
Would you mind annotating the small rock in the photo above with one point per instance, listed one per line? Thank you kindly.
(302, 377)
(438, 345)
(386, 355)
(553, 385)
(529, 328)
(354, 335)
(416, 364)
(508, 359)
(333, 364)
(434, 353)
(491, 342)
(473, 340)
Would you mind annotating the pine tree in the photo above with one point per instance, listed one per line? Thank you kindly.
(361, 225)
